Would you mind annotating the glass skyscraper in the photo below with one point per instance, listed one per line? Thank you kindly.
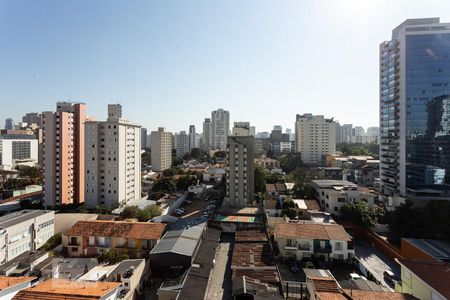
(415, 110)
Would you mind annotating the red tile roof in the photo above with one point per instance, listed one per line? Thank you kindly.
(6, 282)
(312, 231)
(129, 230)
(435, 273)
(64, 289)
(325, 284)
(255, 235)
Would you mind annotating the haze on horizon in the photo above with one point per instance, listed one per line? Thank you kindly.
(170, 63)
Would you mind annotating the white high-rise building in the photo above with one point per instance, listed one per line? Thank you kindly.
(240, 169)
(358, 134)
(18, 148)
(161, 149)
(314, 138)
(112, 160)
(347, 133)
(220, 128)
(181, 143)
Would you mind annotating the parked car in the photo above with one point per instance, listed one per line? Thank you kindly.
(354, 276)
(293, 265)
(389, 276)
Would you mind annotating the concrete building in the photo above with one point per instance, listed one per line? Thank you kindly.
(143, 137)
(358, 134)
(112, 160)
(18, 148)
(192, 138)
(25, 230)
(161, 150)
(327, 241)
(240, 169)
(207, 134)
(333, 194)
(63, 154)
(220, 129)
(9, 124)
(373, 135)
(414, 111)
(252, 131)
(32, 118)
(181, 143)
(347, 133)
(314, 138)
(241, 128)
(339, 133)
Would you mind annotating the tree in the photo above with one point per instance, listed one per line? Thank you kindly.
(183, 182)
(165, 185)
(33, 174)
(169, 172)
(358, 213)
(146, 158)
(289, 162)
(52, 242)
(143, 215)
(220, 155)
(177, 161)
(113, 256)
(196, 153)
(259, 179)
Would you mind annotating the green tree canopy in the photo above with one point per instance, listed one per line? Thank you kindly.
(165, 185)
(259, 179)
(143, 215)
(358, 213)
(113, 256)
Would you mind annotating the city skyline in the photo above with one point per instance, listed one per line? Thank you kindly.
(252, 59)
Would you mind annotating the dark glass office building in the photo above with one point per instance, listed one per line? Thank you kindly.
(415, 110)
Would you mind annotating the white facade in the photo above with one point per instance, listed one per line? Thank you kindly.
(161, 150)
(220, 128)
(192, 138)
(18, 149)
(112, 160)
(314, 137)
(25, 230)
(181, 143)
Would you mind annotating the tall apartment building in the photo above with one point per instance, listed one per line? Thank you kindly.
(192, 138)
(415, 110)
(17, 148)
(240, 169)
(112, 160)
(32, 118)
(207, 134)
(181, 143)
(9, 124)
(339, 133)
(358, 134)
(220, 129)
(25, 230)
(143, 137)
(161, 149)
(373, 135)
(347, 130)
(315, 137)
(63, 154)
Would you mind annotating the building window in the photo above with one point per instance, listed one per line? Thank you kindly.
(288, 242)
(91, 241)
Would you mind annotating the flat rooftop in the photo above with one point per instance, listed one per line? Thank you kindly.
(328, 183)
(7, 282)
(437, 248)
(20, 216)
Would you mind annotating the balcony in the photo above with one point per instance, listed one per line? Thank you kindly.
(326, 249)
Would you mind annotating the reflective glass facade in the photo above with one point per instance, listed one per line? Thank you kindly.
(427, 93)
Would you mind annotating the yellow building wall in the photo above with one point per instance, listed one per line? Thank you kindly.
(413, 285)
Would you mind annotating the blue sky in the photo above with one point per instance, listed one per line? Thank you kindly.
(171, 62)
